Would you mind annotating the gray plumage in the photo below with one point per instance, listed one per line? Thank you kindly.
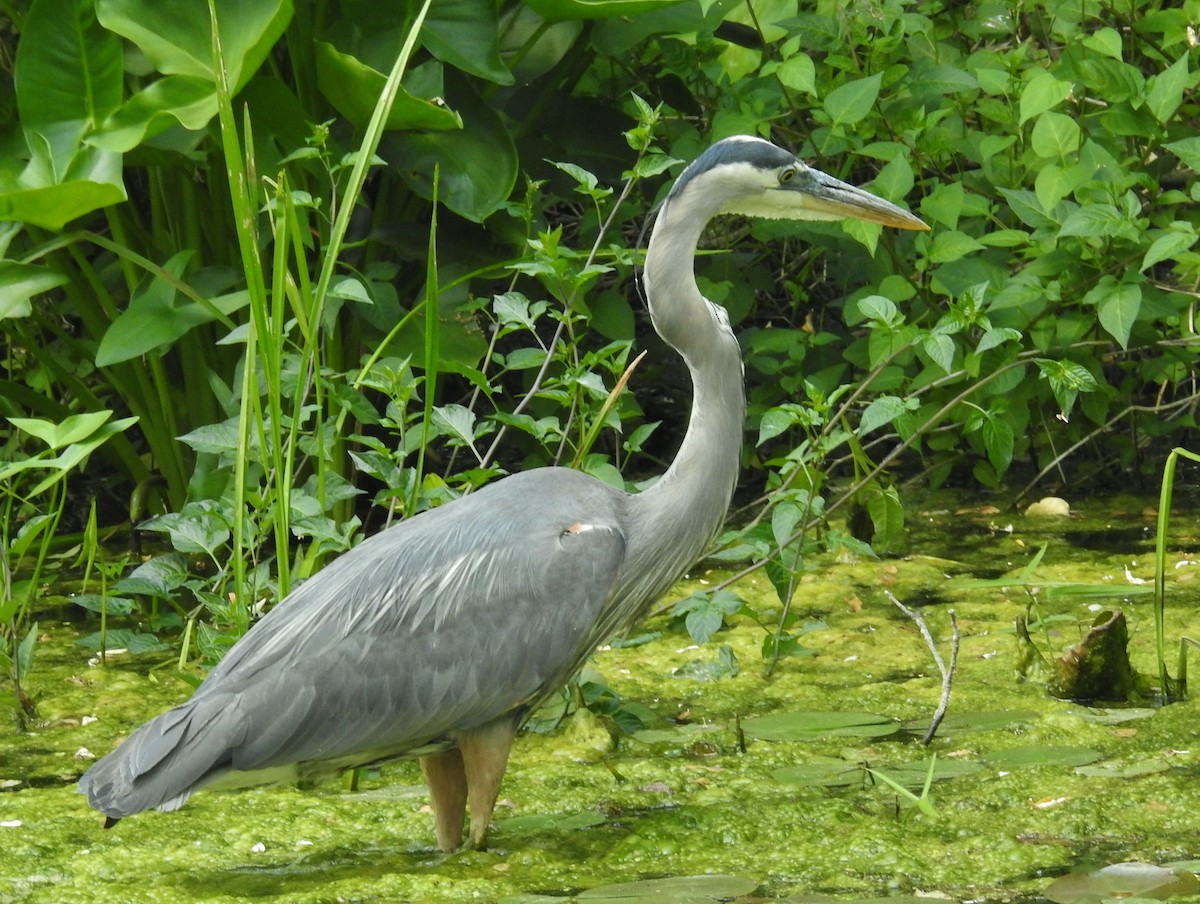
(450, 628)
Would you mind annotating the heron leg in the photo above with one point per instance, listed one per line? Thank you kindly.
(447, 781)
(485, 756)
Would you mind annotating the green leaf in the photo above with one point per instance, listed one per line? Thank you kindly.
(1027, 207)
(72, 429)
(24, 657)
(809, 726)
(153, 319)
(466, 34)
(478, 163)
(1168, 245)
(1055, 135)
(68, 75)
(1106, 41)
(851, 102)
(881, 412)
(1097, 220)
(565, 10)
(176, 36)
(1164, 92)
(172, 100)
(950, 245)
(1118, 305)
(456, 421)
(997, 336)
(1044, 92)
(887, 517)
(354, 88)
(798, 73)
(1047, 755)
(998, 441)
(1187, 150)
(20, 282)
(940, 348)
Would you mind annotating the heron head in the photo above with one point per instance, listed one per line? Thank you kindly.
(752, 177)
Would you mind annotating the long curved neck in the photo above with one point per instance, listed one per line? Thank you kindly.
(684, 509)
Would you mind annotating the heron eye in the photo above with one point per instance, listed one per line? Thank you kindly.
(786, 176)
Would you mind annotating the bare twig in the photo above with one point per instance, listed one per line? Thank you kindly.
(947, 673)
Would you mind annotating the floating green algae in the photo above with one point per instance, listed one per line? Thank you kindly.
(695, 792)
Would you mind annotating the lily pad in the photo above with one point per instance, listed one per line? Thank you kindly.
(1116, 715)
(979, 721)
(809, 726)
(1048, 755)
(672, 890)
(1122, 880)
(832, 772)
(1117, 769)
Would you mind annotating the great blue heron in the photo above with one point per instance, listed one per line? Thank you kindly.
(437, 637)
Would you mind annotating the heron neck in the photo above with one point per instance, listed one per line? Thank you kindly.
(691, 499)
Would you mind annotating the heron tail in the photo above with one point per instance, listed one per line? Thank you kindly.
(165, 760)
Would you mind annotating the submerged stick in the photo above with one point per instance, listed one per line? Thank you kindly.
(947, 672)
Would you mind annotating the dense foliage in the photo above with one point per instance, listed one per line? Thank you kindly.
(350, 260)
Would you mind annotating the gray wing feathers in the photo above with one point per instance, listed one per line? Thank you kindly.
(436, 625)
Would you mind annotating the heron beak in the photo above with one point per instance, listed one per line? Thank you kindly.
(835, 199)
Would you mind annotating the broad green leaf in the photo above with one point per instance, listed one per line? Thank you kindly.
(977, 721)
(1042, 93)
(456, 421)
(1055, 135)
(940, 349)
(895, 180)
(1168, 245)
(887, 517)
(172, 100)
(75, 454)
(994, 81)
(73, 429)
(998, 442)
(20, 282)
(880, 413)
(879, 308)
(354, 88)
(1096, 220)
(808, 726)
(563, 10)
(176, 35)
(798, 73)
(774, 422)
(478, 163)
(1187, 150)
(997, 336)
(466, 34)
(68, 74)
(1106, 41)
(944, 204)
(1048, 755)
(1117, 306)
(950, 245)
(1027, 207)
(784, 518)
(1164, 92)
(932, 78)
(851, 102)
(53, 206)
(154, 319)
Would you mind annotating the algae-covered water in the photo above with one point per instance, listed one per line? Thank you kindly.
(1028, 787)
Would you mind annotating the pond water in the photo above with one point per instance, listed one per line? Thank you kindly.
(1028, 787)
